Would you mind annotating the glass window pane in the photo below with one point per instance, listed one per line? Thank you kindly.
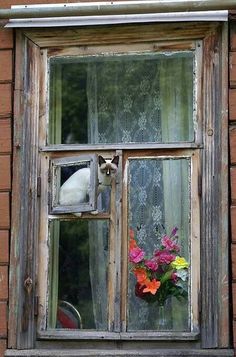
(131, 98)
(78, 275)
(159, 223)
(74, 184)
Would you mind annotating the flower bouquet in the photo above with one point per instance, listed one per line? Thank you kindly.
(162, 275)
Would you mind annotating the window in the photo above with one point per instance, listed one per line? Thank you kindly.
(114, 97)
(147, 102)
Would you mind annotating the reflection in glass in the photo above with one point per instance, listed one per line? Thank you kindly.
(145, 97)
(159, 199)
(78, 276)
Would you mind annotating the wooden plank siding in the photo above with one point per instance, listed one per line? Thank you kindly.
(232, 140)
(6, 99)
(6, 89)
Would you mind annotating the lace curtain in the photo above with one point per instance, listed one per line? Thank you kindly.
(146, 101)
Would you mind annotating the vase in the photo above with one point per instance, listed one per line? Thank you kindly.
(161, 318)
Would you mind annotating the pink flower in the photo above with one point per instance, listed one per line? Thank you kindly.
(151, 264)
(136, 255)
(169, 244)
(164, 256)
(174, 277)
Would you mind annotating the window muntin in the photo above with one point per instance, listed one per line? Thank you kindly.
(122, 98)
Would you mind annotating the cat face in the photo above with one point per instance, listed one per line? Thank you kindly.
(108, 168)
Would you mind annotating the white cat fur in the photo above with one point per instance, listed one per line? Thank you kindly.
(76, 188)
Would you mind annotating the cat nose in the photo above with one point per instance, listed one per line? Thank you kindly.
(108, 173)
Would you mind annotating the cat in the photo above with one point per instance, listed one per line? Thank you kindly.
(76, 188)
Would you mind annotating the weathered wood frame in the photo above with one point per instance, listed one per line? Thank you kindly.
(55, 166)
(30, 110)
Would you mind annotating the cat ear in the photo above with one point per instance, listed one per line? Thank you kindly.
(101, 160)
(115, 160)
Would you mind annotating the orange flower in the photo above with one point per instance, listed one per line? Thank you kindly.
(152, 286)
(131, 233)
(141, 275)
(132, 243)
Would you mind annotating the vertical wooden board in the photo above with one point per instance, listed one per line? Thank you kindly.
(4, 246)
(232, 69)
(5, 172)
(5, 99)
(233, 184)
(16, 188)
(24, 234)
(223, 256)
(6, 37)
(5, 136)
(233, 259)
(4, 210)
(6, 64)
(232, 104)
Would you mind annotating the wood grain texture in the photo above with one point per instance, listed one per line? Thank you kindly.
(5, 136)
(5, 172)
(233, 35)
(6, 37)
(5, 99)
(233, 259)
(3, 318)
(6, 60)
(232, 69)
(3, 282)
(233, 184)
(24, 233)
(125, 34)
(233, 223)
(168, 352)
(232, 104)
(4, 246)
(4, 210)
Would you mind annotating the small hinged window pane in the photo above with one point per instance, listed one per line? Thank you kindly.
(74, 184)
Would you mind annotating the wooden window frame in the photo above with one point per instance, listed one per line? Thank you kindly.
(55, 165)
(30, 128)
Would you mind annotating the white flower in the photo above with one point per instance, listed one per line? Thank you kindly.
(182, 274)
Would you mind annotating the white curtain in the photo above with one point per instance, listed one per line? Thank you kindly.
(146, 99)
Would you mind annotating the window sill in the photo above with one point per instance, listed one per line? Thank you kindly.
(117, 353)
(128, 336)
